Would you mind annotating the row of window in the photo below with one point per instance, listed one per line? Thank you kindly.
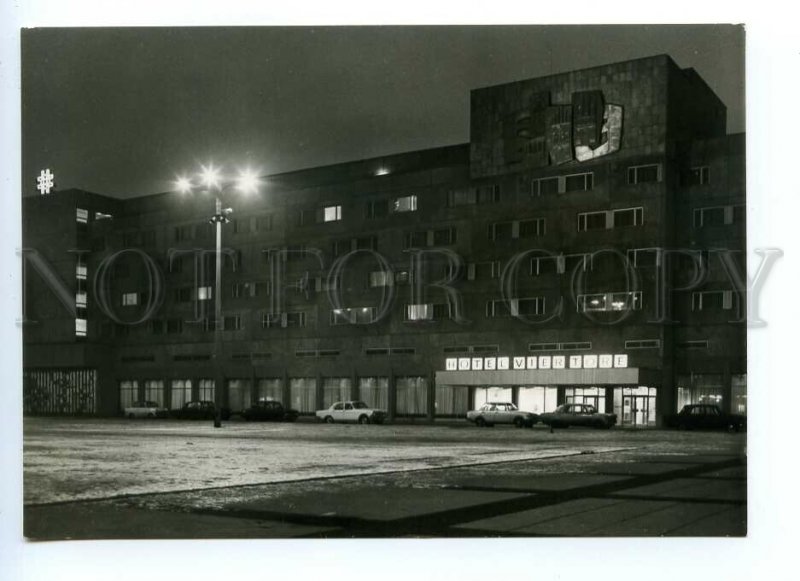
(472, 195)
(630, 344)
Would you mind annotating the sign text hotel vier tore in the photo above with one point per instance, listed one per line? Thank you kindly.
(604, 361)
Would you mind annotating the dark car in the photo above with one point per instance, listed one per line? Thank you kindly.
(578, 414)
(201, 410)
(705, 416)
(269, 411)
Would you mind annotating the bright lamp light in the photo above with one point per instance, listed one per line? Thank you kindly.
(247, 181)
(210, 176)
(183, 184)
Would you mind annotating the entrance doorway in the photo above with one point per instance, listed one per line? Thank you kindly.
(635, 406)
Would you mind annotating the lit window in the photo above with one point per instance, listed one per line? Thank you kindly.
(422, 312)
(204, 293)
(332, 213)
(82, 215)
(380, 278)
(624, 301)
(102, 216)
(80, 271)
(353, 316)
(130, 299)
(80, 327)
(405, 204)
(80, 299)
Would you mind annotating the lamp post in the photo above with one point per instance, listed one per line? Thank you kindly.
(213, 183)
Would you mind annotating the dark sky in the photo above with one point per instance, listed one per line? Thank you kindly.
(122, 111)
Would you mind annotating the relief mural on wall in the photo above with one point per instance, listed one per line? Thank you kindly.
(544, 134)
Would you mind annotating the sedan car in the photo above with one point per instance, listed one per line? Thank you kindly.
(705, 416)
(145, 409)
(201, 410)
(351, 411)
(578, 414)
(492, 413)
(269, 411)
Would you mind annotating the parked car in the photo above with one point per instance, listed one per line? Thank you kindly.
(145, 409)
(705, 416)
(492, 413)
(269, 411)
(201, 410)
(578, 414)
(351, 411)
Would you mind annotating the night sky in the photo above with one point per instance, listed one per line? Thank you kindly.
(123, 111)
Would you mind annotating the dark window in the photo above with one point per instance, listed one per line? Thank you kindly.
(591, 221)
(531, 228)
(264, 223)
(698, 176)
(174, 326)
(644, 174)
(444, 236)
(501, 231)
(579, 182)
(544, 186)
(377, 209)
(416, 239)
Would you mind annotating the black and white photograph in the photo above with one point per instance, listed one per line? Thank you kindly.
(487, 285)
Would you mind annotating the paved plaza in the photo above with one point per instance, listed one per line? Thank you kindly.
(115, 479)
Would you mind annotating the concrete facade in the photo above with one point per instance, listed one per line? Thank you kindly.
(324, 324)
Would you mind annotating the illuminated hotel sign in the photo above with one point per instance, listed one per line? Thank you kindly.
(603, 361)
(45, 182)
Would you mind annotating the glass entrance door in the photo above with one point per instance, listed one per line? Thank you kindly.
(638, 410)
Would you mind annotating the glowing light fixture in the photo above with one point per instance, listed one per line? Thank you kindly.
(382, 171)
(248, 181)
(210, 176)
(183, 184)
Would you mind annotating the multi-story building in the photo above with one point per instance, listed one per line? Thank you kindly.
(581, 247)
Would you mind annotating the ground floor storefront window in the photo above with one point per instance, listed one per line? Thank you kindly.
(374, 391)
(595, 396)
(451, 400)
(635, 406)
(154, 391)
(206, 389)
(412, 396)
(180, 393)
(699, 388)
(303, 393)
(128, 392)
(239, 394)
(481, 395)
(270, 389)
(739, 394)
(336, 389)
(538, 400)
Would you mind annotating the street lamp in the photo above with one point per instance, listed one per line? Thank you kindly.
(211, 181)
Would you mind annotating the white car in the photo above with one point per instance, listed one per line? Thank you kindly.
(502, 412)
(144, 409)
(351, 411)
